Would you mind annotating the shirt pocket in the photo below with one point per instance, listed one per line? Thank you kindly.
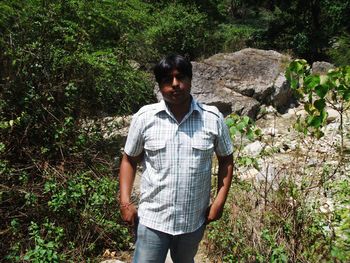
(202, 152)
(155, 154)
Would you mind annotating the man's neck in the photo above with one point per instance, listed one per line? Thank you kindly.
(180, 111)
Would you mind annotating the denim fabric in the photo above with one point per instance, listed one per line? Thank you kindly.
(152, 246)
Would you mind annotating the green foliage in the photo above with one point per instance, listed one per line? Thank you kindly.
(278, 253)
(234, 37)
(316, 92)
(90, 201)
(178, 29)
(242, 129)
(296, 213)
(281, 222)
(242, 126)
(60, 67)
(341, 220)
(83, 214)
(306, 28)
(47, 240)
(339, 52)
(57, 73)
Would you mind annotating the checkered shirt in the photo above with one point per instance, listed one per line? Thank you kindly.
(176, 181)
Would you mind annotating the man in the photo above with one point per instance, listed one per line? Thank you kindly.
(175, 139)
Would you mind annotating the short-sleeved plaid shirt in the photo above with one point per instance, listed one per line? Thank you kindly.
(176, 181)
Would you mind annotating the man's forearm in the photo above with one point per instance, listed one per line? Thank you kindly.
(126, 177)
(215, 210)
(225, 175)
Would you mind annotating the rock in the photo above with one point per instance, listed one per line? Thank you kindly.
(254, 149)
(327, 205)
(282, 98)
(301, 113)
(250, 72)
(267, 173)
(321, 67)
(208, 88)
(112, 127)
(270, 109)
(332, 115)
(249, 174)
(271, 131)
(312, 162)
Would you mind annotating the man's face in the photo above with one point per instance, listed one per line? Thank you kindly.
(176, 88)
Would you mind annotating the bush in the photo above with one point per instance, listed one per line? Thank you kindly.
(178, 29)
(234, 37)
(339, 52)
(59, 188)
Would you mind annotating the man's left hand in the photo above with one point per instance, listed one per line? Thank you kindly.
(214, 212)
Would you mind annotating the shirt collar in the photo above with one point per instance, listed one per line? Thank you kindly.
(193, 107)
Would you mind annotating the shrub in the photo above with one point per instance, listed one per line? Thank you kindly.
(59, 188)
(234, 37)
(178, 29)
(340, 50)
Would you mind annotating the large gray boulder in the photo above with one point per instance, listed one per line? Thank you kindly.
(208, 87)
(242, 81)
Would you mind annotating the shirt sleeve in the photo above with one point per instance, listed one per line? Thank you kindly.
(135, 141)
(223, 145)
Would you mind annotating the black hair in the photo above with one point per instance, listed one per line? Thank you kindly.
(171, 62)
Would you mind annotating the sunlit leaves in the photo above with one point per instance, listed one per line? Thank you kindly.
(242, 126)
(315, 91)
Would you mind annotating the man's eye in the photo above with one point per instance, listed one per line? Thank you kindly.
(167, 79)
(181, 77)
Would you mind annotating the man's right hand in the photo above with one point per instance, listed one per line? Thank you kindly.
(129, 213)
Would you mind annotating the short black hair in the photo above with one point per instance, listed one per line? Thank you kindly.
(171, 62)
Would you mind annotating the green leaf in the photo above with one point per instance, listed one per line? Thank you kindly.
(321, 90)
(233, 131)
(320, 104)
(250, 135)
(323, 115)
(229, 122)
(323, 79)
(294, 83)
(315, 121)
(246, 120)
(308, 107)
(311, 82)
(241, 125)
(346, 95)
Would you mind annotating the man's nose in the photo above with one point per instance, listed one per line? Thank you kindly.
(175, 82)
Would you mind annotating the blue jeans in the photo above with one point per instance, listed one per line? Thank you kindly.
(152, 246)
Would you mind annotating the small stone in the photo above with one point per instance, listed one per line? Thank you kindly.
(254, 149)
(271, 131)
(249, 174)
(301, 113)
(332, 115)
